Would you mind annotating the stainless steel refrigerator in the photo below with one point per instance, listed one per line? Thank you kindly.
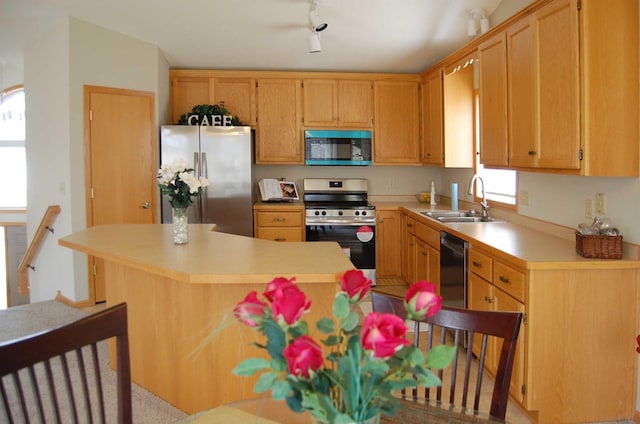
(224, 156)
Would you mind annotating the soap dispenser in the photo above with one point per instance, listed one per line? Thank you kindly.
(433, 201)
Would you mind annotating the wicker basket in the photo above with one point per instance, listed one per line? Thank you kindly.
(602, 247)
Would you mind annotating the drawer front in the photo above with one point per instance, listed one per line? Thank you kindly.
(509, 279)
(411, 225)
(279, 219)
(279, 234)
(481, 264)
(429, 235)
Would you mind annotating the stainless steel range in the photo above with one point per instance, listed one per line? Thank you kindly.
(338, 210)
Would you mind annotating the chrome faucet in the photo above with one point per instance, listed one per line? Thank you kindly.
(483, 203)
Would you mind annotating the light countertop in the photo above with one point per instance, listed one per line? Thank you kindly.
(210, 257)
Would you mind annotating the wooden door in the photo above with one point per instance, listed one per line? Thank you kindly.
(187, 92)
(278, 136)
(239, 97)
(522, 94)
(320, 100)
(120, 164)
(433, 120)
(480, 298)
(493, 101)
(397, 122)
(558, 73)
(388, 241)
(355, 103)
(506, 303)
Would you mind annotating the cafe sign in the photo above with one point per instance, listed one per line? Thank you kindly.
(209, 120)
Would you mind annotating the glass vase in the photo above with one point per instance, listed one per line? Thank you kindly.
(180, 225)
(372, 420)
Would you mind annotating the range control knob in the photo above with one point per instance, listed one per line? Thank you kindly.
(364, 213)
(324, 213)
(357, 213)
(317, 213)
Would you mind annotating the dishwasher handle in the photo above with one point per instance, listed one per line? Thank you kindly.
(453, 243)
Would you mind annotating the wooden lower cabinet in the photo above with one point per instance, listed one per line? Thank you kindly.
(388, 241)
(421, 252)
(279, 223)
(576, 359)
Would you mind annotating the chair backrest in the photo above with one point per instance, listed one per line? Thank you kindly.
(54, 376)
(465, 324)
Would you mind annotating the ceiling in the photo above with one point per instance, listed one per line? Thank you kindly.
(362, 35)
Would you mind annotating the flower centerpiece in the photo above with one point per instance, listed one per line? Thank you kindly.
(178, 182)
(366, 362)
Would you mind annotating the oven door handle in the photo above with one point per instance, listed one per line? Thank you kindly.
(341, 223)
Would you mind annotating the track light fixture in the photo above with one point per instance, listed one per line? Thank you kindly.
(314, 42)
(317, 24)
(472, 23)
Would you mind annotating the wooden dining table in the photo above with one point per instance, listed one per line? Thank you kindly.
(267, 411)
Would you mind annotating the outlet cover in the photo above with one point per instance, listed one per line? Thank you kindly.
(588, 209)
(524, 197)
(600, 205)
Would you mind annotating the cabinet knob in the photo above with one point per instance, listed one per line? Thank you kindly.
(279, 239)
(146, 205)
(477, 264)
(504, 279)
(531, 152)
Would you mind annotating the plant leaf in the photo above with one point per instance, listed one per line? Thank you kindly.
(281, 390)
(265, 382)
(275, 339)
(440, 357)
(350, 322)
(341, 306)
(326, 325)
(250, 366)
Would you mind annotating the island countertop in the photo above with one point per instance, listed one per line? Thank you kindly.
(210, 256)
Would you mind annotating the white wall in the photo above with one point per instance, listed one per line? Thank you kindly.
(56, 70)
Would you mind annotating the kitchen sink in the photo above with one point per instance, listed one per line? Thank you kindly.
(458, 216)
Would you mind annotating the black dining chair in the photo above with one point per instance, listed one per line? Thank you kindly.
(453, 326)
(54, 376)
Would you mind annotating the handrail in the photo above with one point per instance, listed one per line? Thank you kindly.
(34, 247)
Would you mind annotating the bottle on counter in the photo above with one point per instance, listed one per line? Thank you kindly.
(433, 201)
(454, 196)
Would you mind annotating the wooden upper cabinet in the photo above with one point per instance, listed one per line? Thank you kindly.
(278, 133)
(459, 114)
(337, 103)
(397, 122)
(432, 119)
(187, 92)
(558, 82)
(239, 97)
(493, 101)
(522, 94)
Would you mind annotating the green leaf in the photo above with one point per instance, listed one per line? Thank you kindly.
(341, 306)
(276, 339)
(429, 379)
(332, 340)
(281, 390)
(250, 366)
(350, 322)
(440, 357)
(265, 382)
(326, 325)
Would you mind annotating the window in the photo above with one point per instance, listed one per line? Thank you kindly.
(13, 161)
(501, 185)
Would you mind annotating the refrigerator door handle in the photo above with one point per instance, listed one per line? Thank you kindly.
(196, 173)
(203, 195)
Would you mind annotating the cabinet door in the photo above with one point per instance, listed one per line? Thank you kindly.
(355, 103)
(397, 122)
(407, 240)
(187, 92)
(504, 302)
(278, 134)
(522, 94)
(493, 101)
(427, 264)
(480, 298)
(558, 74)
(432, 120)
(238, 95)
(388, 240)
(320, 102)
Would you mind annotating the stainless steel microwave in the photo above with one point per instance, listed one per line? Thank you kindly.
(337, 147)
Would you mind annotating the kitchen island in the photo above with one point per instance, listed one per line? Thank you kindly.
(184, 340)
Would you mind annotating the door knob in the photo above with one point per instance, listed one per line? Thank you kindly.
(146, 205)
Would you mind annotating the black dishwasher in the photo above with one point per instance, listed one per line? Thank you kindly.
(453, 270)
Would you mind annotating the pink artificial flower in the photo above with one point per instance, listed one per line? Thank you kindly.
(276, 284)
(289, 303)
(355, 284)
(251, 310)
(303, 355)
(421, 300)
(638, 341)
(383, 334)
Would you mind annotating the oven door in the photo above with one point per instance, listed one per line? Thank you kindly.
(357, 241)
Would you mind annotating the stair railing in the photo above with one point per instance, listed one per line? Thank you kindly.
(34, 247)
